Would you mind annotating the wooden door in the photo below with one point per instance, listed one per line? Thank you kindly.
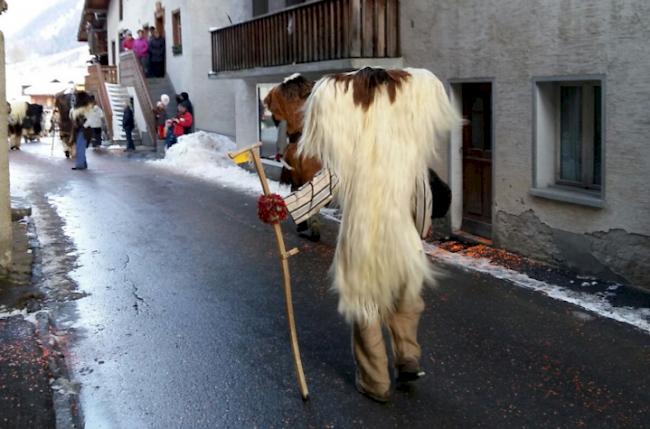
(160, 22)
(477, 159)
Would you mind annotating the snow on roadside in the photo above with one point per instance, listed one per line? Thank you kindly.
(204, 156)
(638, 317)
(4, 313)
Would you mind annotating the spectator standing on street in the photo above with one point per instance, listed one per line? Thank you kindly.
(127, 44)
(161, 119)
(127, 125)
(95, 121)
(179, 125)
(185, 100)
(141, 49)
(157, 55)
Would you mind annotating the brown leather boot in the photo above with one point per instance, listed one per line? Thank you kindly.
(381, 398)
(408, 371)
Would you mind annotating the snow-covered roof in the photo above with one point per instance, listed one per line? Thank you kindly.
(50, 88)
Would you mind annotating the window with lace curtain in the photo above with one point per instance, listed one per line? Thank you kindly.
(568, 144)
(579, 142)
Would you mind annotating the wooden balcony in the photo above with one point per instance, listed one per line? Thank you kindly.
(319, 31)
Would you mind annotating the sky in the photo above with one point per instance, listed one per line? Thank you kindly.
(9, 24)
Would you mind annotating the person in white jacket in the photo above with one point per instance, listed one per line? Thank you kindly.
(95, 122)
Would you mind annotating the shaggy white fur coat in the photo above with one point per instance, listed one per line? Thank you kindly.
(379, 154)
(17, 116)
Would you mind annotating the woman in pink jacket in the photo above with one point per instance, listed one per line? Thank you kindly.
(141, 49)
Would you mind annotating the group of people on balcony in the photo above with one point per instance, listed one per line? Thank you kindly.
(150, 52)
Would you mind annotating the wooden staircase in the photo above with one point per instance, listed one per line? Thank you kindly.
(117, 95)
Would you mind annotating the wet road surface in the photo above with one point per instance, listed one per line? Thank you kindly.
(183, 323)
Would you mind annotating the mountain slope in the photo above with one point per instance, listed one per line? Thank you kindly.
(50, 31)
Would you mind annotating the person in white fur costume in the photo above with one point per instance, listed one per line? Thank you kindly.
(375, 132)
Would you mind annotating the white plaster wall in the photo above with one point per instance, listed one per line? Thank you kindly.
(513, 41)
(213, 101)
(6, 243)
(547, 99)
(242, 10)
(247, 112)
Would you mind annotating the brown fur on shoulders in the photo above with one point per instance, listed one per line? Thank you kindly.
(367, 81)
(304, 168)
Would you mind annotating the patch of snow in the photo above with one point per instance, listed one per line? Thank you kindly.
(65, 386)
(204, 155)
(32, 317)
(4, 314)
(332, 214)
(596, 303)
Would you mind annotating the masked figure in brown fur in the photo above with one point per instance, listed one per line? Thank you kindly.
(285, 102)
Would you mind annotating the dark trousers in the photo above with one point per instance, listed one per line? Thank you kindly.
(157, 68)
(81, 150)
(171, 138)
(129, 138)
(144, 63)
(97, 137)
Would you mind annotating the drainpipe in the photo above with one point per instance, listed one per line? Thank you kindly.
(5, 202)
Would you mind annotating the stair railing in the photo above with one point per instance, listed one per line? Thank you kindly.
(103, 97)
(131, 74)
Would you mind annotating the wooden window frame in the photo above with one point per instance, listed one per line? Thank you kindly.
(588, 138)
(177, 32)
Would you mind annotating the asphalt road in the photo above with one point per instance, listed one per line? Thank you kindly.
(183, 324)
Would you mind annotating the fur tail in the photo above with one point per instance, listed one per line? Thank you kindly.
(379, 149)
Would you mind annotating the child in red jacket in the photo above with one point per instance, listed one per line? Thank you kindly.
(177, 126)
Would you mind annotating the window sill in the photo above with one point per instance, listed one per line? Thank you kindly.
(581, 197)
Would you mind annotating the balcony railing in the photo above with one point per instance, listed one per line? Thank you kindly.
(317, 31)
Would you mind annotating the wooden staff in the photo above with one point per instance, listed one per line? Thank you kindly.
(251, 151)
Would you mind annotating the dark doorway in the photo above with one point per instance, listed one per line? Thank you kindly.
(477, 159)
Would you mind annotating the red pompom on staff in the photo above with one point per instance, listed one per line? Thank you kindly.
(272, 210)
